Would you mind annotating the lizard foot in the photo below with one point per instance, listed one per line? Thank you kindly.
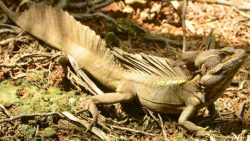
(90, 106)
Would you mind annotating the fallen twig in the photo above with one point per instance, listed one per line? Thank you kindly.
(5, 110)
(99, 120)
(131, 130)
(29, 115)
(163, 128)
(21, 38)
(92, 5)
(13, 65)
(183, 17)
(76, 81)
(236, 4)
(11, 26)
(160, 122)
(86, 124)
(97, 14)
(242, 13)
(85, 78)
(78, 4)
(100, 4)
(165, 40)
(6, 30)
(39, 54)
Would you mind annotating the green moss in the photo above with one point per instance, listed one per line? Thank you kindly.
(54, 90)
(49, 132)
(34, 99)
(8, 93)
(75, 139)
(26, 130)
(35, 75)
(180, 136)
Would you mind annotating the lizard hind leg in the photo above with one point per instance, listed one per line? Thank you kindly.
(124, 93)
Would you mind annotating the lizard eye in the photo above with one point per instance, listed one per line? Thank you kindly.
(223, 55)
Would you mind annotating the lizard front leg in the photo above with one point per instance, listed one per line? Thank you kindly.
(124, 93)
(184, 119)
(192, 104)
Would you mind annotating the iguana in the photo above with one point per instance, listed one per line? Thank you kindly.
(155, 83)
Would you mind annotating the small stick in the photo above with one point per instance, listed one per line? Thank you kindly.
(236, 4)
(131, 130)
(151, 114)
(160, 122)
(5, 110)
(183, 16)
(29, 115)
(101, 4)
(86, 79)
(78, 4)
(6, 30)
(97, 14)
(85, 123)
(13, 39)
(163, 128)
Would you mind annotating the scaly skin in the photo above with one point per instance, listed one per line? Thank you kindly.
(201, 62)
(178, 98)
(165, 89)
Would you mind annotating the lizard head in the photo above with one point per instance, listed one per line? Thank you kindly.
(202, 61)
(225, 60)
(208, 59)
(222, 66)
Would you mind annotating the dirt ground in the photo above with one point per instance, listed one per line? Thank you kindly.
(37, 85)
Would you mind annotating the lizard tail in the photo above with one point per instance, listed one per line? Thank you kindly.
(62, 31)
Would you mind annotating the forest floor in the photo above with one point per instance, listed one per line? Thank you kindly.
(36, 87)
